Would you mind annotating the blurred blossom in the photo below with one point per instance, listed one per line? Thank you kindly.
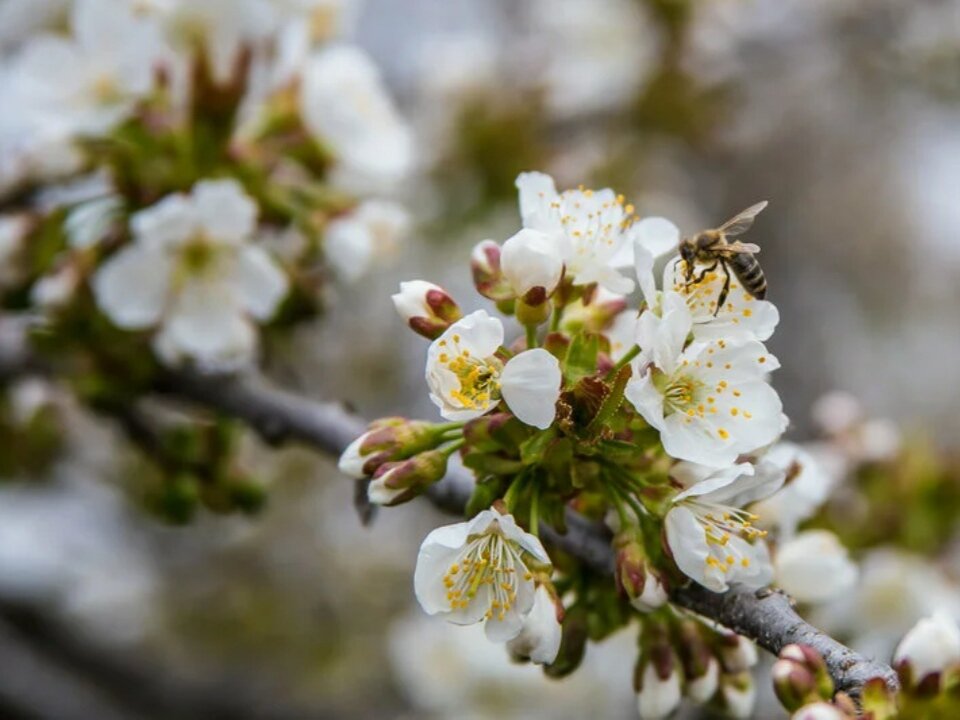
(807, 487)
(345, 105)
(368, 235)
(814, 567)
(87, 83)
(894, 591)
(455, 672)
(595, 53)
(836, 412)
(194, 271)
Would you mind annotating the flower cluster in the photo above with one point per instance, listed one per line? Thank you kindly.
(656, 417)
(197, 166)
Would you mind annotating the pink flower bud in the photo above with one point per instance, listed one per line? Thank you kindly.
(488, 276)
(397, 482)
(426, 307)
(635, 577)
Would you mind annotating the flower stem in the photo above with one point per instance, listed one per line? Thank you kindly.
(557, 315)
(627, 357)
(531, 336)
(535, 512)
(453, 447)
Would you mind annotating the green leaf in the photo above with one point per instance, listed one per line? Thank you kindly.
(611, 403)
(581, 359)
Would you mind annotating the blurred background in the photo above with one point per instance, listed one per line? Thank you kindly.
(844, 114)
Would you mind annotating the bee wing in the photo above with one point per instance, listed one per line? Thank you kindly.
(740, 223)
(736, 248)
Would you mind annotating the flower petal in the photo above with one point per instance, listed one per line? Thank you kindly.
(224, 209)
(530, 385)
(688, 545)
(131, 288)
(261, 282)
(656, 235)
(206, 324)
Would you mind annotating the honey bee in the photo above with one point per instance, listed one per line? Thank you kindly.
(713, 247)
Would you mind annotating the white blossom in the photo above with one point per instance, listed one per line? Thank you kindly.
(658, 697)
(467, 379)
(345, 106)
(86, 83)
(539, 638)
(480, 570)
(370, 233)
(742, 317)
(529, 260)
(622, 333)
(593, 231)
(808, 486)
(931, 646)
(597, 53)
(710, 401)
(814, 567)
(222, 28)
(193, 270)
(712, 539)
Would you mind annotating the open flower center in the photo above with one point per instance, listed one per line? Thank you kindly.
(721, 523)
(198, 256)
(486, 571)
(593, 228)
(682, 393)
(479, 378)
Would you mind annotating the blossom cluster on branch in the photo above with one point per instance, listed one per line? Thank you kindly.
(198, 166)
(178, 183)
(657, 419)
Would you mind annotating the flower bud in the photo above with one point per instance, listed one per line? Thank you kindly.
(808, 664)
(596, 315)
(426, 307)
(819, 711)
(657, 676)
(529, 261)
(794, 684)
(737, 653)
(397, 482)
(532, 308)
(700, 668)
(488, 276)
(573, 643)
(540, 636)
(930, 648)
(877, 700)
(387, 439)
(634, 575)
(738, 695)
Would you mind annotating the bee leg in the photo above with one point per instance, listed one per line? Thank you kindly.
(722, 298)
(703, 274)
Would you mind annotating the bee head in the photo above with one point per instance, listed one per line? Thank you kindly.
(688, 252)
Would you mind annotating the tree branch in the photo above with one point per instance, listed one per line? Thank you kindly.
(279, 416)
